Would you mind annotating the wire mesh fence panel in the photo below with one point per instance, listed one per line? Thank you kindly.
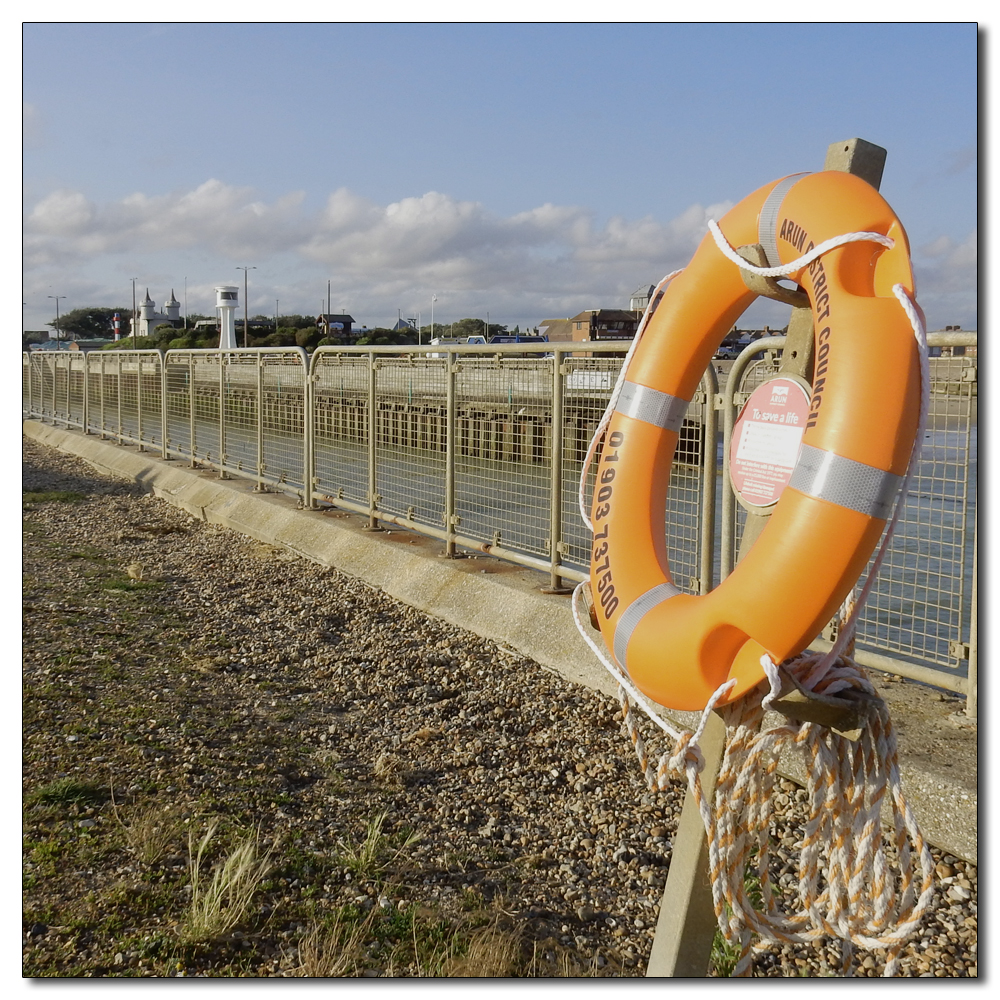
(92, 364)
(587, 389)
(239, 395)
(128, 391)
(682, 518)
(60, 387)
(77, 375)
(177, 378)
(503, 451)
(284, 418)
(27, 407)
(110, 424)
(340, 425)
(411, 443)
(151, 396)
(587, 386)
(920, 605)
(46, 386)
(205, 397)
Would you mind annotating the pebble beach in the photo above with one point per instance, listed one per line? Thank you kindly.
(178, 675)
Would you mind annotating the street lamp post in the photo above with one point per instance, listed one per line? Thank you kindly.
(246, 305)
(57, 298)
(434, 299)
(135, 317)
(276, 315)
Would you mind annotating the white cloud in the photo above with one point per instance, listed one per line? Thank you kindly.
(947, 275)
(547, 261)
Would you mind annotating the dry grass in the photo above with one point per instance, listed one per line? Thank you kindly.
(149, 832)
(494, 952)
(372, 856)
(334, 951)
(226, 901)
(390, 769)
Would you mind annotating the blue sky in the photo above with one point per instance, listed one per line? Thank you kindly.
(526, 170)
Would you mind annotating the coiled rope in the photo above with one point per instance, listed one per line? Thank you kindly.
(854, 885)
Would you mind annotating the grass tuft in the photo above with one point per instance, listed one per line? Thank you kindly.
(150, 831)
(225, 902)
(334, 951)
(51, 496)
(65, 791)
(494, 952)
(372, 856)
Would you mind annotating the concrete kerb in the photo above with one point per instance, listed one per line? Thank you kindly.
(497, 600)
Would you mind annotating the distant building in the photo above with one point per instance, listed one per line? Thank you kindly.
(338, 324)
(150, 319)
(604, 324)
(639, 299)
(957, 350)
(88, 345)
(557, 330)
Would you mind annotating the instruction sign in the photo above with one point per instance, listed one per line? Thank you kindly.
(766, 439)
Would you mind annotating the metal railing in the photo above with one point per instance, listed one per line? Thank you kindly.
(482, 447)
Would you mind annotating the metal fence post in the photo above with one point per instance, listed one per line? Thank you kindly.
(709, 481)
(104, 419)
(86, 394)
(191, 407)
(308, 427)
(222, 415)
(450, 518)
(118, 392)
(972, 689)
(164, 416)
(138, 398)
(556, 480)
(259, 488)
(373, 497)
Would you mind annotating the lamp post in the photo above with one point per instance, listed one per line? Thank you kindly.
(275, 315)
(246, 305)
(135, 316)
(434, 299)
(57, 298)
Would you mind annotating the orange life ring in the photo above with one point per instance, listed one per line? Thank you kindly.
(679, 648)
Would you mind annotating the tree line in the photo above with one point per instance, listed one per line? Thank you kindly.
(293, 330)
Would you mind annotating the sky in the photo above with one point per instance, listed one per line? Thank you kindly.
(525, 171)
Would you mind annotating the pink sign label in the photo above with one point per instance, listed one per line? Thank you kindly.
(766, 439)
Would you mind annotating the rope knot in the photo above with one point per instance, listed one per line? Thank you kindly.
(687, 755)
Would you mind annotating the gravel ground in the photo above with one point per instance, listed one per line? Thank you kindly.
(176, 673)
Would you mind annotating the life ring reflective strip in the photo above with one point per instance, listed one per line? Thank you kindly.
(679, 648)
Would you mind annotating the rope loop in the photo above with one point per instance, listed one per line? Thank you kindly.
(800, 262)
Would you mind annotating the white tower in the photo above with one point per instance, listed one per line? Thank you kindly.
(226, 301)
(172, 308)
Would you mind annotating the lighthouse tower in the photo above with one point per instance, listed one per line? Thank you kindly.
(226, 301)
